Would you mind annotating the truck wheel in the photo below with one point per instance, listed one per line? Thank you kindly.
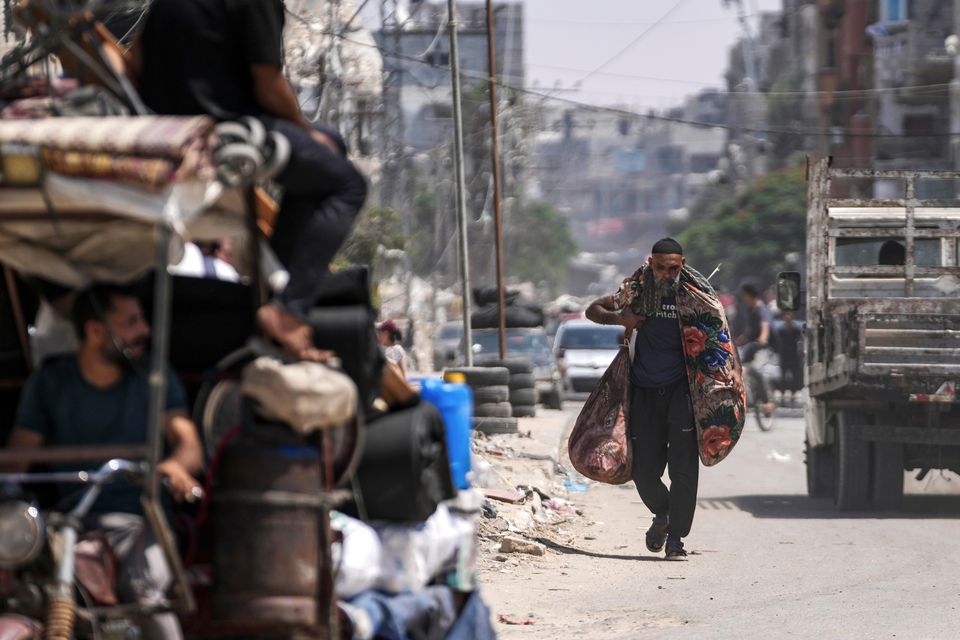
(852, 460)
(887, 475)
(819, 471)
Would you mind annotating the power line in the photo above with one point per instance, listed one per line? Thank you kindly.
(653, 116)
(633, 42)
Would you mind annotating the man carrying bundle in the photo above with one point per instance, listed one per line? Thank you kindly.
(686, 395)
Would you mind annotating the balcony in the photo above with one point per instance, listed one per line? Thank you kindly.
(910, 53)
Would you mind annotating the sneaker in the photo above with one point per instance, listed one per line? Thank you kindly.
(675, 551)
(657, 534)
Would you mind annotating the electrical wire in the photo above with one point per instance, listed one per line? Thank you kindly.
(653, 117)
(633, 42)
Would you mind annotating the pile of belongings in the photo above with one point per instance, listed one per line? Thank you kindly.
(517, 313)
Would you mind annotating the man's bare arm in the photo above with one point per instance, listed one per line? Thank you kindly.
(764, 334)
(181, 435)
(186, 458)
(604, 311)
(275, 96)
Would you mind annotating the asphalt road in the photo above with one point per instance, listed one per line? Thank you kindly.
(766, 561)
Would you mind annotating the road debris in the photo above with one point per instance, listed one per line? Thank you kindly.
(505, 619)
(510, 544)
(776, 456)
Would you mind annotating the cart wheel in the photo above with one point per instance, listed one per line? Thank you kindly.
(231, 132)
(277, 157)
(258, 133)
(237, 164)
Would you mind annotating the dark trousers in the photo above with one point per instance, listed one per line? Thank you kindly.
(663, 436)
(322, 195)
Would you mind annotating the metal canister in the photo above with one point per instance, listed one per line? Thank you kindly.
(267, 526)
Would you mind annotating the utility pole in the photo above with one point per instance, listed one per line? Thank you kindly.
(460, 180)
(391, 189)
(497, 196)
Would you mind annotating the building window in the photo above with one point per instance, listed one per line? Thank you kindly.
(895, 10)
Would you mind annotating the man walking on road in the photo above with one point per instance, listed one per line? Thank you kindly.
(681, 346)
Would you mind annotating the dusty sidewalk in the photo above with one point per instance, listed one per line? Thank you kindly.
(537, 504)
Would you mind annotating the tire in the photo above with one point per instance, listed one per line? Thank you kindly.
(495, 425)
(765, 423)
(523, 381)
(513, 365)
(493, 410)
(495, 394)
(525, 397)
(888, 475)
(819, 461)
(524, 411)
(484, 376)
(852, 464)
(554, 399)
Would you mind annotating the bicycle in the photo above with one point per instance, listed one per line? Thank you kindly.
(753, 375)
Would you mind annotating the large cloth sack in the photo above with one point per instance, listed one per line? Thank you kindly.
(306, 396)
(599, 444)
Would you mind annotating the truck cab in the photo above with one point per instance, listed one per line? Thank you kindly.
(883, 333)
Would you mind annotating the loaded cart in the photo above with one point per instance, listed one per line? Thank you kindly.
(89, 195)
(112, 200)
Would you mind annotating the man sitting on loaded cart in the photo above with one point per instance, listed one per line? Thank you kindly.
(99, 396)
(225, 58)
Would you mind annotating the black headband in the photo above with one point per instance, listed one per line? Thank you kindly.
(667, 245)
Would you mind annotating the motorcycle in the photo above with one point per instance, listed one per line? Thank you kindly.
(56, 574)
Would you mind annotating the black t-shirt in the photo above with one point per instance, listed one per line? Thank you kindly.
(197, 54)
(658, 360)
(755, 320)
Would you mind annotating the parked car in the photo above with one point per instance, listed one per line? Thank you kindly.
(529, 343)
(445, 345)
(583, 351)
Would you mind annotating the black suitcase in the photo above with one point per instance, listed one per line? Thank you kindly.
(404, 471)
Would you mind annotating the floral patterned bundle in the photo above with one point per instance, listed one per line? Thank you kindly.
(599, 445)
(713, 365)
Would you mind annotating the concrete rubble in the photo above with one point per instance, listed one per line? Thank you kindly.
(528, 512)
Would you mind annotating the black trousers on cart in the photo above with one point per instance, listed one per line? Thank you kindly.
(323, 193)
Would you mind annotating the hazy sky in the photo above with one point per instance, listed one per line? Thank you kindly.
(686, 51)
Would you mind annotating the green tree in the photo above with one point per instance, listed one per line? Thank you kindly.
(376, 227)
(539, 245)
(752, 232)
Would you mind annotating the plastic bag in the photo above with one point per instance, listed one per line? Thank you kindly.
(413, 556)
(599, 444)
(358, 558)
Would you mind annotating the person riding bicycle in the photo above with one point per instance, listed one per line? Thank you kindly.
(755, 337)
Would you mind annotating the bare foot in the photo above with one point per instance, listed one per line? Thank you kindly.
(293, 336)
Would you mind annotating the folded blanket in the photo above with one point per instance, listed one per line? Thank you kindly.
(149, 151)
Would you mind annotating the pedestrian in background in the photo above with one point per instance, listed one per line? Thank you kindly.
(390, 338)
(789, 336)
